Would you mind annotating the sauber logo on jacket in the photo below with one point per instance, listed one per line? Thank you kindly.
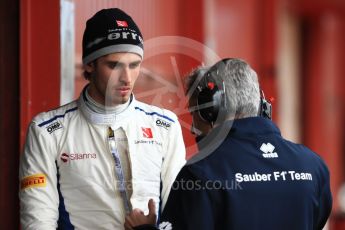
(65, 157)
(147, 132)
(36, 180)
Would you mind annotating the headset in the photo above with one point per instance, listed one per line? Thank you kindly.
(211, 98)
(265, 108)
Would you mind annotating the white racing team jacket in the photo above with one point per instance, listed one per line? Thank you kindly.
(67, 172)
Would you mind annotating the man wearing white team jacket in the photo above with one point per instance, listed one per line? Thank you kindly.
(88, 163)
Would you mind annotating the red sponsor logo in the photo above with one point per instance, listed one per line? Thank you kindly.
(147, 132)
(65, 157)
(121, 23)
(37, 180)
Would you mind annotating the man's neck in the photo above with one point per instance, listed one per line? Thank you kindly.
(101, 108)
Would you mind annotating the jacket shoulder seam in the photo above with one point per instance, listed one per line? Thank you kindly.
(152, 113)
(62, 115)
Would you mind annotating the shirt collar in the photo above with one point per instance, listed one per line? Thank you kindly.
(244, 127)
(253, 126)
(111, 119)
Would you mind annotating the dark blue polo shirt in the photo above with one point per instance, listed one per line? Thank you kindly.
(254, 179)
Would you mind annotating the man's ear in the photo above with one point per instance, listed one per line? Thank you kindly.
(89, 67)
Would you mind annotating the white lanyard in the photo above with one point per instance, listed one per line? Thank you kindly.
(118, 169)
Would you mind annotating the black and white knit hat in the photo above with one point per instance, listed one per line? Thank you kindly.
(111, 31)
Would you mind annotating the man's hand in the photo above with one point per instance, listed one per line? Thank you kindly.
(137, 217)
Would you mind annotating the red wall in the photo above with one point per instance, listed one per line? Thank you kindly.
(323, 49)
(324, 94)
(247, 29)
(39, 59)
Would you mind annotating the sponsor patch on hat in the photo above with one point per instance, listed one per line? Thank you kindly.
(121, 23)
(33, 181)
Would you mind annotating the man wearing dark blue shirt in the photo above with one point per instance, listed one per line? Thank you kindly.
(246, 176)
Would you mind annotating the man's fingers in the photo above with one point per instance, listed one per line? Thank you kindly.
(152, 207)
(127, 224)
(132, 217)
(137, 210)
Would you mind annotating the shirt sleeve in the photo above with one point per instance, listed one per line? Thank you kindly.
(38, 195)
(189, 205)
(174, 159)
(325, 201)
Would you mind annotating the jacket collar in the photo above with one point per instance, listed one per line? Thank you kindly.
(252, 126)
(245, 127)
(110, 119)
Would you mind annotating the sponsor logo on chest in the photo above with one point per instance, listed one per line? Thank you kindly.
(147, 137)
(66, 157)
(147, 132)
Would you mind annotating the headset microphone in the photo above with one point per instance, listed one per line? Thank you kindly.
(265, 109)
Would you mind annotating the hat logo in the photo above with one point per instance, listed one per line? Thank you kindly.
(121, 23)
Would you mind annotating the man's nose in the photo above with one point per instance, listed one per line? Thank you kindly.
(125, 76)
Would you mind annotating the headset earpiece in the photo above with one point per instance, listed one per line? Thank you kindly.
(210, 99)
(211, 103)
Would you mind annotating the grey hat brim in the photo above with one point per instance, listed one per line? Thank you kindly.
(128, 48)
